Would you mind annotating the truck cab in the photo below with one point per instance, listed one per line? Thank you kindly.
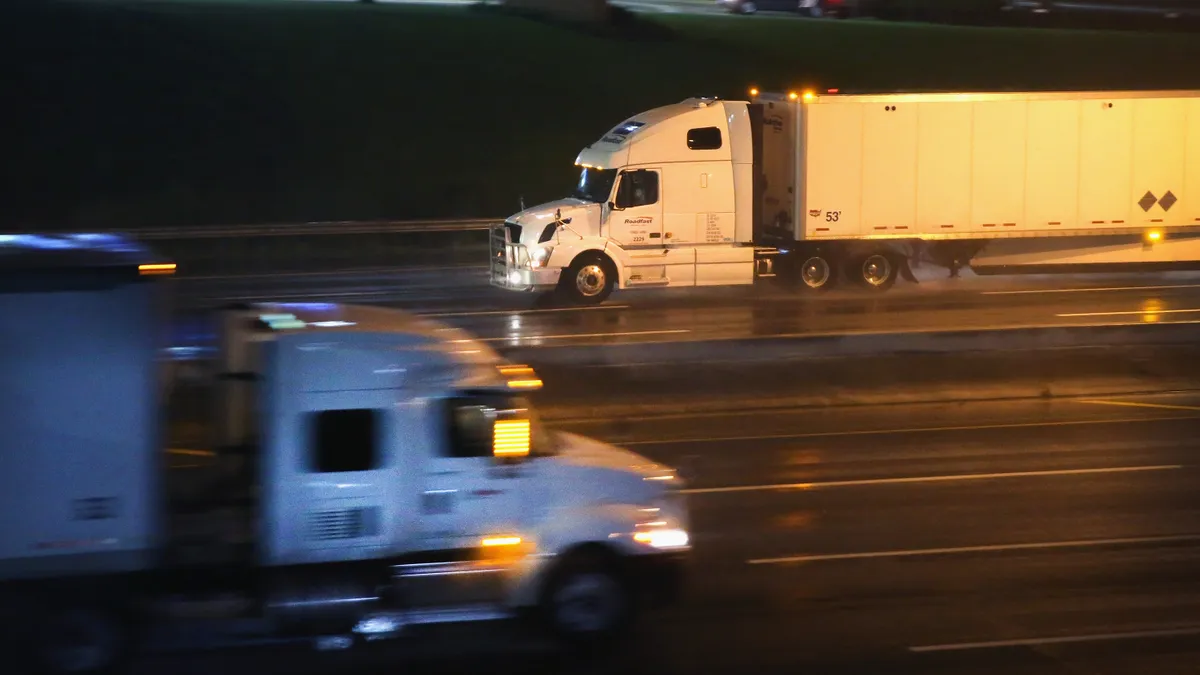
(369, 472)
(664, 198)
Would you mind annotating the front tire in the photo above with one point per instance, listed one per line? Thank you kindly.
(587, 601)
(84, 639)
(589, 280)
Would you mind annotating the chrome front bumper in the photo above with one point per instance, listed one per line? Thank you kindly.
(510, 268)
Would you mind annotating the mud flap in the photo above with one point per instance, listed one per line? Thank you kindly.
(906, 271)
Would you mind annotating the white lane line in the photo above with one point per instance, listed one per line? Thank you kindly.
(912, 430)
(1089, 290)
(1139, 312)
(570, 336)
(991, 548)
(1136, 404)
(522, 312)
(1057, 640)
(928, 479)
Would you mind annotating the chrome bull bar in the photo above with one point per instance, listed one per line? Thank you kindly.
(509, 267)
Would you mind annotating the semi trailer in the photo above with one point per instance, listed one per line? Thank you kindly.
(809, 189)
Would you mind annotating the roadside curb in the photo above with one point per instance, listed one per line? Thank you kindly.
(851, 398)
(799, 347)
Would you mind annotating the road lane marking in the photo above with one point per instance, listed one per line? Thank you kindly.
(1089, 290)
(522, 312)
(1136, 404)
(991, 548)
(912, 430)
(570, 336)
(928, 479)
(1138, 312)
(191, 453)
(1056, 640)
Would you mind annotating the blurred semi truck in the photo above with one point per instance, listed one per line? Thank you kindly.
(809, 189)
(371, 473)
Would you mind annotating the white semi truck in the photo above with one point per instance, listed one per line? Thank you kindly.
(810, 188)
(371, 472)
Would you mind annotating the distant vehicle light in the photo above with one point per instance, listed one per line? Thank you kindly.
(753, 91)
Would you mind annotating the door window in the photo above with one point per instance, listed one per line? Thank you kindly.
(344, 440)
(638, 188)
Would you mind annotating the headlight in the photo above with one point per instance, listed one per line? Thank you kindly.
(662, 538)
(539, 256)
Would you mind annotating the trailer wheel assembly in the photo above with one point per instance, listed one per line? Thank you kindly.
(877, 271)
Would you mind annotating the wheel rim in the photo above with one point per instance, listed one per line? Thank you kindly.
(815, 272)
(591, 280)
(876, 270)
(79, 642)
(587, 603)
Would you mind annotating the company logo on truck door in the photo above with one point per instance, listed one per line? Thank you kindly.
(814, 213)
(640, 220)
(773, 121)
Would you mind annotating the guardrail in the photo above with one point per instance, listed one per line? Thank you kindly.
(321, 228)
(336, 246)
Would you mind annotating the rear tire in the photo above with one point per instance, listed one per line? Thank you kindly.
(808, 271)
(876, 271)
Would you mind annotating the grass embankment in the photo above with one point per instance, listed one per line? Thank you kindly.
(137, 113)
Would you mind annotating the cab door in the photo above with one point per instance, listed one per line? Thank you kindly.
(480, 482)
(636, 215)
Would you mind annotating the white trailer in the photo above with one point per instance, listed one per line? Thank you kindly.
(812, 188)
(372, 472)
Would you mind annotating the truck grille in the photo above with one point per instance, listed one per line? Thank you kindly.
(343, 524)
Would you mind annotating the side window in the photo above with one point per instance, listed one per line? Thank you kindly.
(471, 418)
(344, 440)
(638, 188)
(704, 138)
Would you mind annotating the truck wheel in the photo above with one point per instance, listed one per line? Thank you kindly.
(78, 640)
(877, 271)
(745, 8)
(817, 273)
(589, 280)
(586, 601)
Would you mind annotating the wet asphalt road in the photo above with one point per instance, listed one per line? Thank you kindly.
(517, 320)
(1039, 537)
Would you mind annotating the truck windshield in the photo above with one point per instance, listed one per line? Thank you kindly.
(595, 185)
